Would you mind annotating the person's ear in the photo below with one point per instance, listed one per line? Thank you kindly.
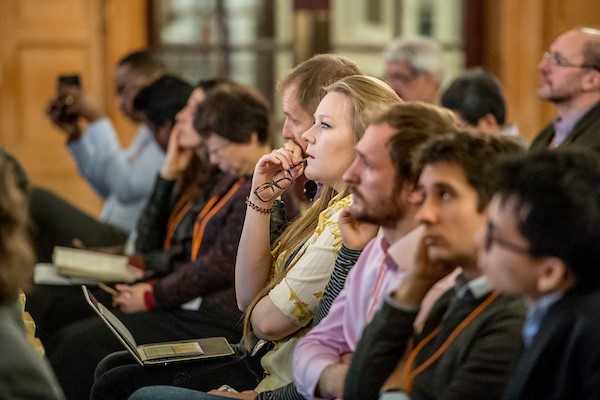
(591, 81)
(553, 275)
(488, 124)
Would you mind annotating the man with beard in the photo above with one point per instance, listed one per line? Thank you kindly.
(382, 182)
(570, 79)
(471, 334)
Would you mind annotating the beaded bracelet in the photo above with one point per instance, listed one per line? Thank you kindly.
(257, 208)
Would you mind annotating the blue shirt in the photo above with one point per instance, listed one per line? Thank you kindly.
(123, 177)
(535, 314)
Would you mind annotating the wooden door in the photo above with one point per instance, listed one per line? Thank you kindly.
(42, 39)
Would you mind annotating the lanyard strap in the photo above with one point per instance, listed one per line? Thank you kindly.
(208, 211)
(181, 208)
(411, 373)
(377, 290)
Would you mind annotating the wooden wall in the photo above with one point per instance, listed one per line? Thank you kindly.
(516, 34)
(41, 39)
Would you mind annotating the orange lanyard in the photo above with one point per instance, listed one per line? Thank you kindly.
(181, 208)
(208, 211)
(411, 373)
(376, 290)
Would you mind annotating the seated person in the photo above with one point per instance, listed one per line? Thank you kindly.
(280, 291)
(52, 306)
(122, 177)
(24, 374)
(193, 296)
(476, 96)
(541, 243)
(414, 68)
(382, 184)
(471, 334)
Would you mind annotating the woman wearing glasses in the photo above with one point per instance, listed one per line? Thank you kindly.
(280, 289)
(193, 294)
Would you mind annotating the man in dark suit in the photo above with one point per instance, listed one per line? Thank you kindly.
(542, 243)
(570, 79)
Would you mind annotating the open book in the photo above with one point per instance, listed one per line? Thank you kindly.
(159, 353)
(92, 265)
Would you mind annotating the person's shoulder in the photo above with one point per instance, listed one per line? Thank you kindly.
(589, 306)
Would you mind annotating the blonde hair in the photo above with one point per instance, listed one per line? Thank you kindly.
(16, 254)
(366, 96)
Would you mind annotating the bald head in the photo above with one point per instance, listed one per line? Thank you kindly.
(570, 70)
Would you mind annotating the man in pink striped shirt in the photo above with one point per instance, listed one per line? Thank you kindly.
(382, 183)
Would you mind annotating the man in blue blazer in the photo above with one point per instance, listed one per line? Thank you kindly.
(543, 243)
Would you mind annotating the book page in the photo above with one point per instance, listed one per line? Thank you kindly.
(47, 274)
(92, 264)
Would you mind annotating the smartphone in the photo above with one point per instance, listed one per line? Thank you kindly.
(69, 79)
(65, 101)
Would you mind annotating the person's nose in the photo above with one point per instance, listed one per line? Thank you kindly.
(352, 174)
(427, 213)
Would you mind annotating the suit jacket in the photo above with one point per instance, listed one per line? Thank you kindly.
(586, 133)
(563, 361)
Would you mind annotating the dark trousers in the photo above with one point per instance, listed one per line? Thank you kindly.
(76, 350)
(53, 307)
(56, 222)
(118, 376)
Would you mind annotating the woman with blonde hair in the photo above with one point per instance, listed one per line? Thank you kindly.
(280, 289)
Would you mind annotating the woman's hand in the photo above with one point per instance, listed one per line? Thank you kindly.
(279, 166)
(245, 395)
(131, 297)
(177, 159)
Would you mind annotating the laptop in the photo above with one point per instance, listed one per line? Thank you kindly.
(159, 353)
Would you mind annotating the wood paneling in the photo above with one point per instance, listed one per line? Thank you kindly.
(40, 40)
(516, 34)
(125, 30)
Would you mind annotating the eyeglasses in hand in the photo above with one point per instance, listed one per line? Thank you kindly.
(282, 180)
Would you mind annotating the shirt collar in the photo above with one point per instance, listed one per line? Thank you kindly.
(568, 121)
(536, 311)
(403, 252)
(477, 287)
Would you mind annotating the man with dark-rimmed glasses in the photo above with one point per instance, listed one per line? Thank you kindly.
(542, 243)
(570, 79)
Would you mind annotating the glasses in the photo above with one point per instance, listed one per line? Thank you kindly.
(401, 78)
(266, 191)
(559, 62)
(215, 151)
(490, 238)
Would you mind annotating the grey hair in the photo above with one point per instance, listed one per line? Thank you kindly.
(421, 53)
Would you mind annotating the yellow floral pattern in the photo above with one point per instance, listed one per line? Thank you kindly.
(298, 294)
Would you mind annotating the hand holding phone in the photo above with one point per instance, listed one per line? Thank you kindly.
(64, 85)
